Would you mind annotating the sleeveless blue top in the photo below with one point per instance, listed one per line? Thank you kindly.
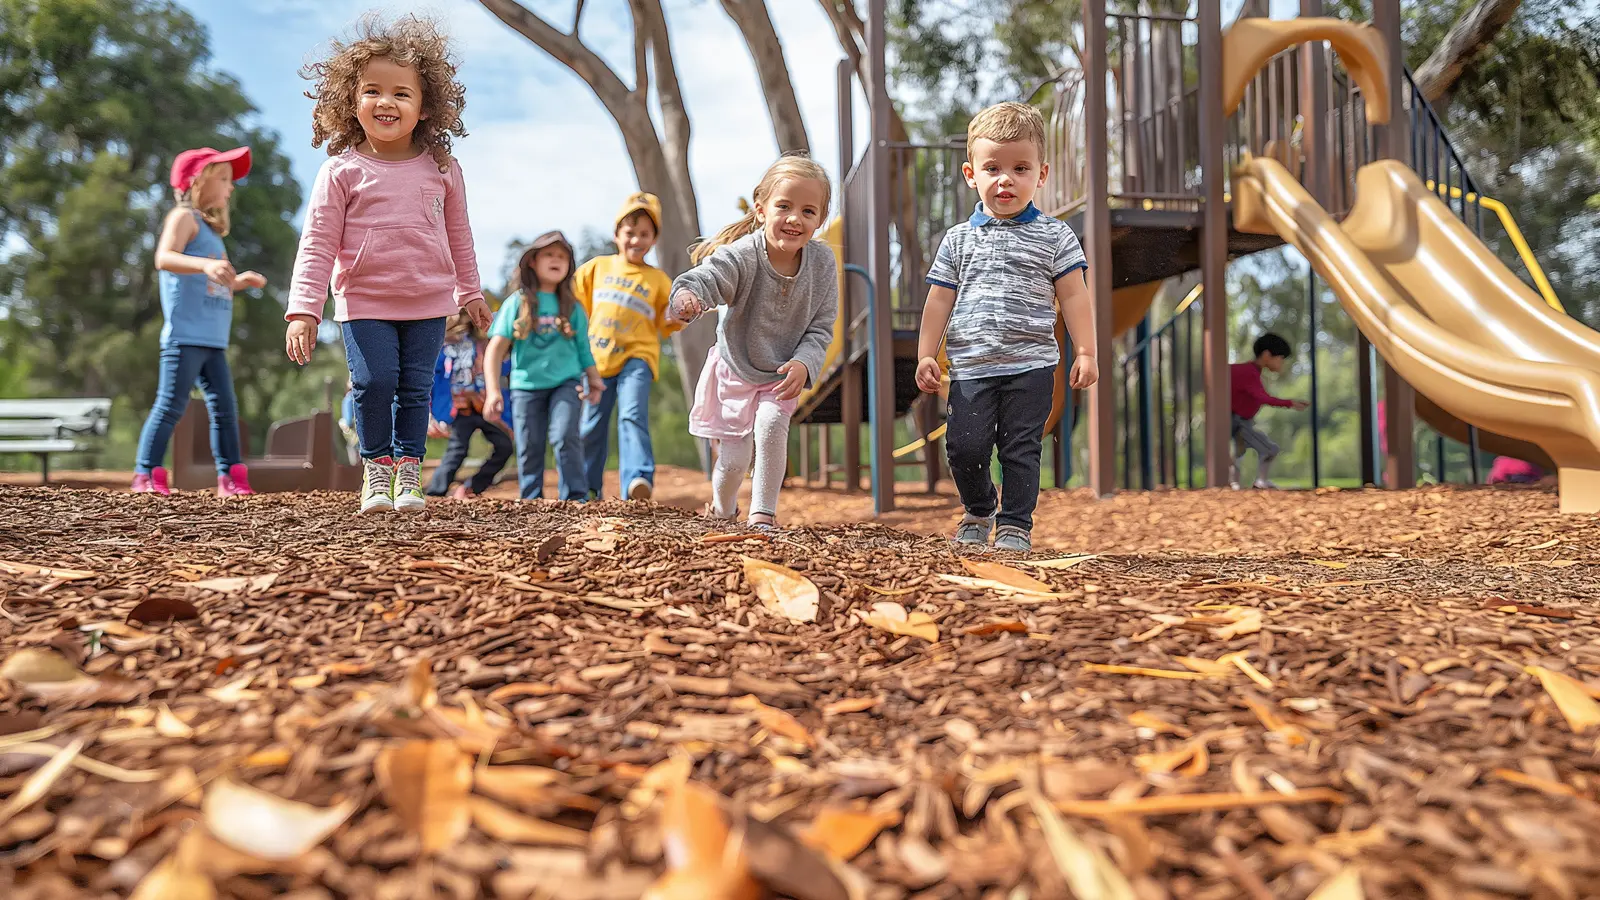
(199, 312)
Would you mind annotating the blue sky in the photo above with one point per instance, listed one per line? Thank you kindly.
(542, 152)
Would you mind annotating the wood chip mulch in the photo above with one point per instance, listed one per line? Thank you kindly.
(1339, 695)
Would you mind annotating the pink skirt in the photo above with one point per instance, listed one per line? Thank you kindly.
(725, 404)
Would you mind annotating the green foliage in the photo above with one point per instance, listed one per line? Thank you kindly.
(100, 95)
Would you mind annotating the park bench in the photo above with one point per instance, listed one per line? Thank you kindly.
(300, 455)
(44, 427)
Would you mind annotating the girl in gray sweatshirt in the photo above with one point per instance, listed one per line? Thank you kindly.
(777, 295)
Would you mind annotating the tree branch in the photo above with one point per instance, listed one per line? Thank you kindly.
(755, 24)
(568, 50)
(577, 17)
(1475, 30)
(674, 114)
(641, 49)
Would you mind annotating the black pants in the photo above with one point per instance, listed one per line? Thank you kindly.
(455, 453)
(1008, 412)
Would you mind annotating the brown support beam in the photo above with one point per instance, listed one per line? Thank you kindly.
(1315, 135)
(1097, 233)
(1214, 249)
(825, 455)
(881, 357)
(1394, 141)
(850, 413)
(805, 454)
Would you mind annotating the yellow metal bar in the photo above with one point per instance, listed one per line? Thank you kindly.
(1517, 240)
(921, 442)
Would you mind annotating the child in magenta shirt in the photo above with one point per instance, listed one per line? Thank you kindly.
(387, 228)
(1248, 396)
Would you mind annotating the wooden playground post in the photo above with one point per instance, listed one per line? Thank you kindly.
(850, 378)
(1317, 176)
(1400, 465)
(881, 356)
(1097, 234)
(1214, 249)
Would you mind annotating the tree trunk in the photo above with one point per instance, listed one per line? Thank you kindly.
(773, 70)
(1472, 32)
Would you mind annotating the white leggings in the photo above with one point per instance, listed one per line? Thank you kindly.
(768, 447)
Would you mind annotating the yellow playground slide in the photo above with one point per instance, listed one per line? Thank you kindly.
(1445, 312)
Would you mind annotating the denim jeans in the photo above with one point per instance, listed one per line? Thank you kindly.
(1008, 412)
(629, 391)
(181, 366)
(554, 413)
(391, 368)
(455, 453)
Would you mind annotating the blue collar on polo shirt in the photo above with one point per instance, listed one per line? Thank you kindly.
(981, 218)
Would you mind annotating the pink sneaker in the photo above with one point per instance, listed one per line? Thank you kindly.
(239, 473)
(153, 483)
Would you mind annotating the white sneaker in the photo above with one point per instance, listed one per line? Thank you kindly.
(377, 484)
(1264, 484)
(408, 495)
(639, 489)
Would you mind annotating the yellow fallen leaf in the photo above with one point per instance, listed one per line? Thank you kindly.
(22, 568)
(1251, 672)
(1140, 670)
(850, 705)
(1085, 867)
(776, 720)
(1145, 719)
(1005, 578)
(276, 756)
(1329, 564)
(40, 782)
(782, 590)
(265, 825)
(515, 828)
(307, 682)
(893, 618)
(1293, 735)
(1215, 668)
(1544, 546)
(234, 691)
(1346, 885)
(845, 831)
(426, 782)
(1065, 562)
(1570, 696)
(171, 879)
(234, 585)
(517, 785)
(169, 725)
(1191, 757)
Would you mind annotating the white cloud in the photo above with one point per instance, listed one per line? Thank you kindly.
(542, 151)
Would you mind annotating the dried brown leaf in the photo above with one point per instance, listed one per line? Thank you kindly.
(50, 572)
(1571, 697)
(267, 826)
(168, 724)
(989, 628)
(156, 610)
(1086, 869)
(701, 864)
(40, 782)
(845, 831)
(427, 784)
(782, 590)
(515, 828)
(1065, 562)
(517, 785)
(53, 678)
(893, 618)
(776, 720)
(236, 584)
(1189, 759)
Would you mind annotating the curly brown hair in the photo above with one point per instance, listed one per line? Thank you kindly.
(411, 41)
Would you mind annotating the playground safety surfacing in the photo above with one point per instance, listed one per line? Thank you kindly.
(1241, 695)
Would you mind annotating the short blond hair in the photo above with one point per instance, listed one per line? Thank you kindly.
(1006, 123)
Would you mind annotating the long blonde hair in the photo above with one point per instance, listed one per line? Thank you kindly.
(218, 217)
(794, 165)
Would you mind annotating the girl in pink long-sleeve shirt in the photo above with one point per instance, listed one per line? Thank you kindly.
(387, 229)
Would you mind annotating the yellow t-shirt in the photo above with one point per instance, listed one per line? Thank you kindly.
(627, 308)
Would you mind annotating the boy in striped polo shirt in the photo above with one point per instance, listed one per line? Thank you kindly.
(995, 289)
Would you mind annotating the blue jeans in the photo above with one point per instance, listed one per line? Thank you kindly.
(629, 389)
(552, 412)
(391, 368)
(181, 366)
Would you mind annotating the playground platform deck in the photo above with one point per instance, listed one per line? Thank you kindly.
(1385, 725)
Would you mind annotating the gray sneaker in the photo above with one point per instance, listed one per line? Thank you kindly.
(1010, 537)
(973, 531)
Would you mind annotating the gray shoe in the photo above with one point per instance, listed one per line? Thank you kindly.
(973, 531)
(1010, 537)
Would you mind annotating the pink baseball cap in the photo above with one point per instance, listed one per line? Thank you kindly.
(190, 163)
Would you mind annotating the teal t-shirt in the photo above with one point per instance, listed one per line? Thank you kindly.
(546, 358)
